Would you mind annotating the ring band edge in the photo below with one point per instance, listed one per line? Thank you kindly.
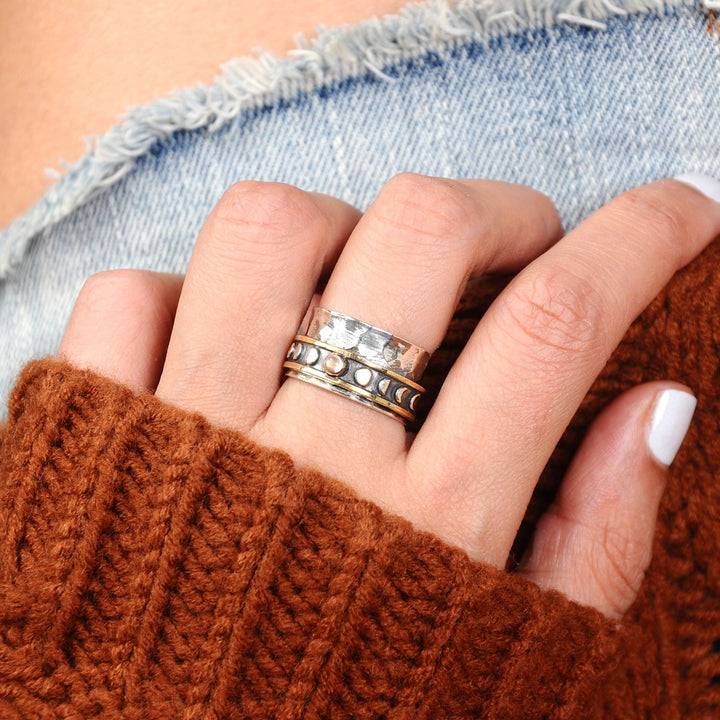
(319, 379)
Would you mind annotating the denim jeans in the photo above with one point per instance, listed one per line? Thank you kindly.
(581, 99)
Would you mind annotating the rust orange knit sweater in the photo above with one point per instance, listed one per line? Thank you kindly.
(152, 566)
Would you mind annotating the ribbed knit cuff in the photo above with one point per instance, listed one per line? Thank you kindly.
(153, 566)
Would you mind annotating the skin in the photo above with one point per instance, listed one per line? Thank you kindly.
(468, 474)
(69, 69)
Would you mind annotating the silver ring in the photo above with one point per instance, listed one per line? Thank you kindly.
(360, 362)
(375, 345)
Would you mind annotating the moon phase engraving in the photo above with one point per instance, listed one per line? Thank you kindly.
(334, 365)
(363, 376)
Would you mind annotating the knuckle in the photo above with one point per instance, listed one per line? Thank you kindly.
(558, 315)
(266, 214)
(618, 563)
(426, 208)
(656, 211)
(116, 291)
(124, 303)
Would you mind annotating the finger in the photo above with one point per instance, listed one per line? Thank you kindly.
(595, 543)
(121, 324)
(254, 269)
(536, 352)
(403, 270)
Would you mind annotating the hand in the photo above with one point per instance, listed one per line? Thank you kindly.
(215, 340)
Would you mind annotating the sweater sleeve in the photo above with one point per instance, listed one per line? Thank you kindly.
(152, 566)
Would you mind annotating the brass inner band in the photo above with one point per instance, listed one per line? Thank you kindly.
(363, 361)
(327, 380)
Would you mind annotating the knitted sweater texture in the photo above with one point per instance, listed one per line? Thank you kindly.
(153, 566)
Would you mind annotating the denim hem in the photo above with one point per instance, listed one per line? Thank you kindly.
(336, 54)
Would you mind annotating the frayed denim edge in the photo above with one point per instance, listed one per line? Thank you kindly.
(336, 54)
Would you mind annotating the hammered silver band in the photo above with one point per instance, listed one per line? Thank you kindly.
(360, 362)
(369, 342)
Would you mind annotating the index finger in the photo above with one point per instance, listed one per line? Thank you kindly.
(537, 351)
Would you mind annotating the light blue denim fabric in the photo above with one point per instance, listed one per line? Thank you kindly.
(581, 100)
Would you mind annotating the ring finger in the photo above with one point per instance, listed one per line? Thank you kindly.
(254, 269)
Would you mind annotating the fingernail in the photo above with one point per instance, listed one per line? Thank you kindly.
(704, 183)
(671, 418)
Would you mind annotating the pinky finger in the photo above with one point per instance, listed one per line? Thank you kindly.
(595, 543)
(120, 325)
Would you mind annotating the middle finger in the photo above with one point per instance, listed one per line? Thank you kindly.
(403, 270)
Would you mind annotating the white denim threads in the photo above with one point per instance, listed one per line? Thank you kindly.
(581, 100)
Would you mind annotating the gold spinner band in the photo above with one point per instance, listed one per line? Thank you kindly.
(349, 374)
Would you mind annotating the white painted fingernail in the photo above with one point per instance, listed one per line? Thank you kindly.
(704, 183)
(671, 418)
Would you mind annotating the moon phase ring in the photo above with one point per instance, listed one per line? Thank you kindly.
(360, 362)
